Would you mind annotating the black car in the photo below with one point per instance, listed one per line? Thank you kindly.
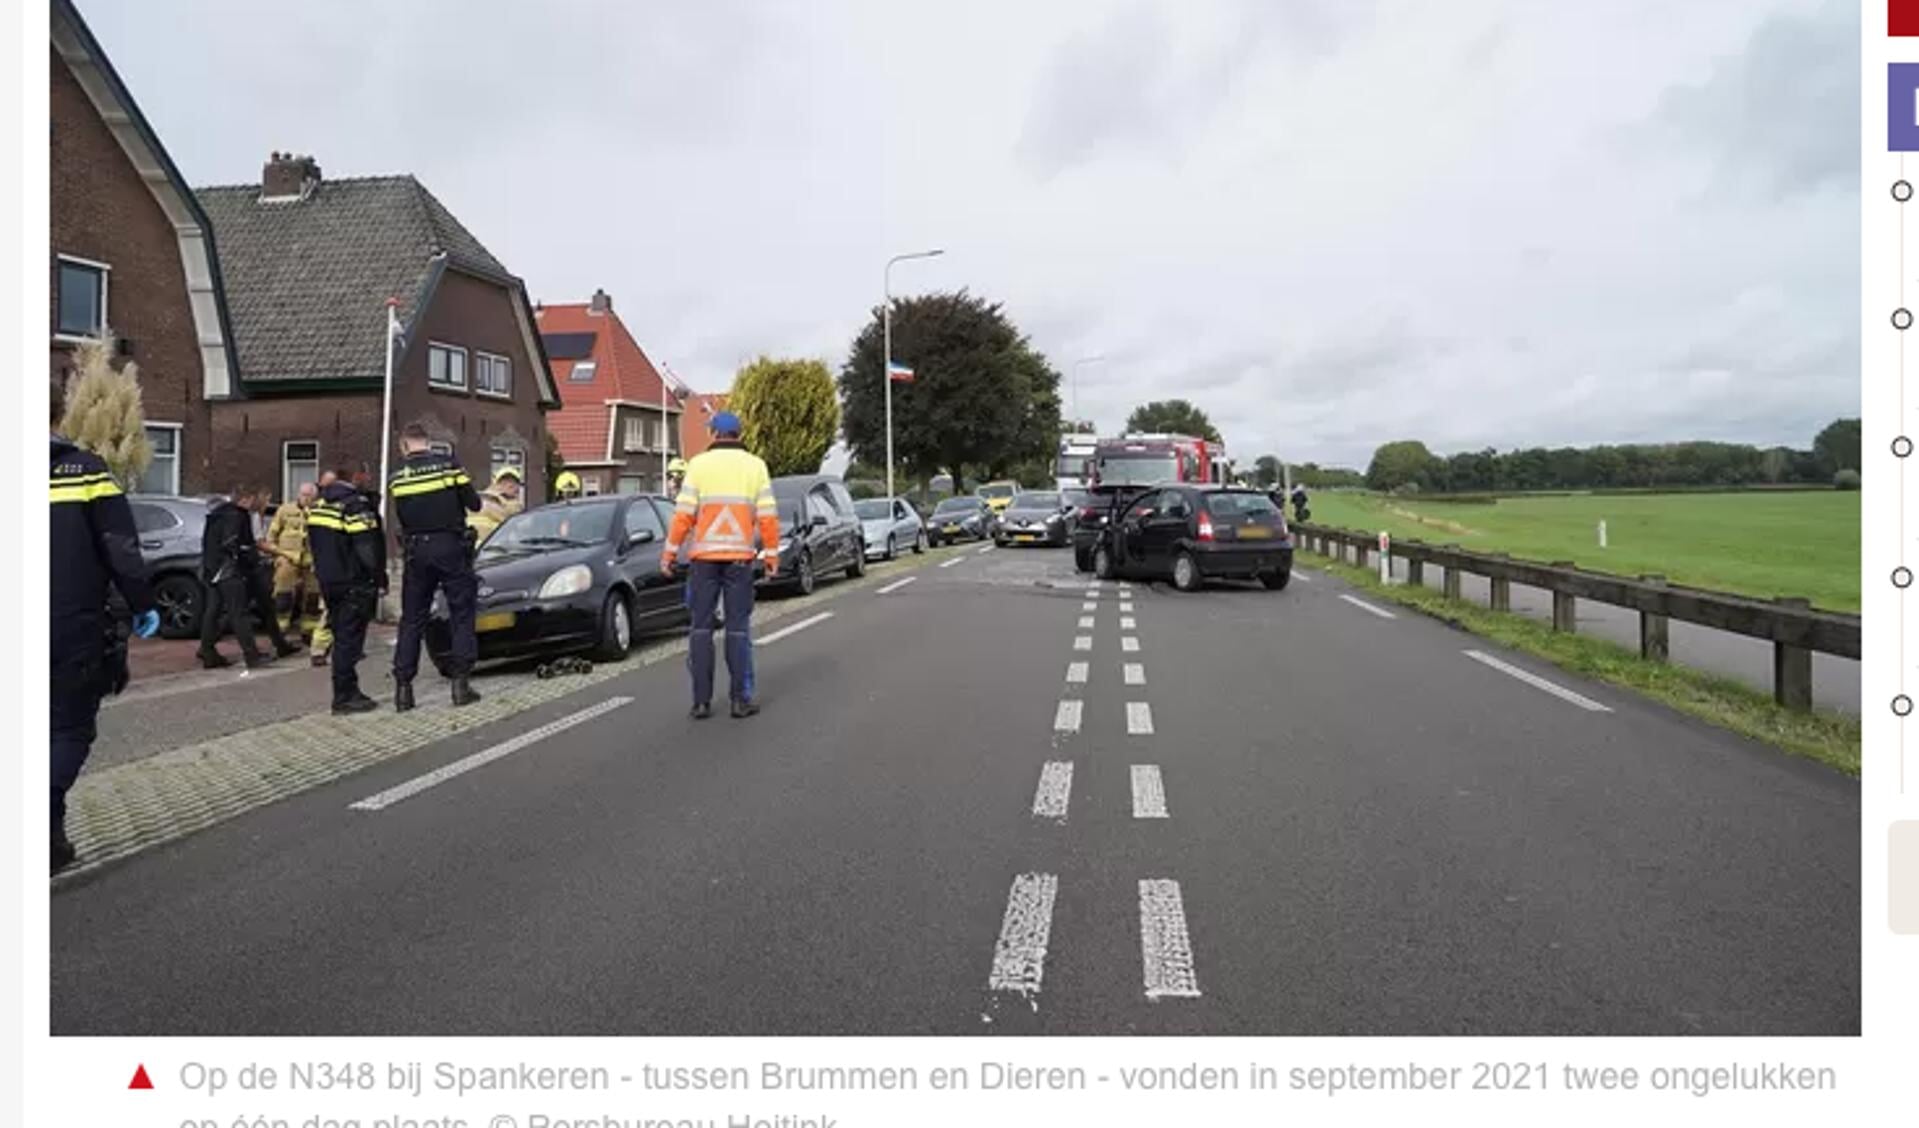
(961, 518)
(1034, 517)
(574, 575)
(1191, 534)
(1098, 508)
(820, 532)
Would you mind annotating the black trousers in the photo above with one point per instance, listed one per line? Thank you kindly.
(237, 598)
(76, 708)
(436, 562)
(349, 610)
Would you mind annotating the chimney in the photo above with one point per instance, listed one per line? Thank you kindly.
(601, 303)
(288, 177)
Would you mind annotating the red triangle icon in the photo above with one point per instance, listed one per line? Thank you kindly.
(140, 1079)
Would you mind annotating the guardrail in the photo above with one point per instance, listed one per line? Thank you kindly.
(1794, 627)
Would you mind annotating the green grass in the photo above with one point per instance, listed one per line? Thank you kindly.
(1803, 544)
(1830, 738)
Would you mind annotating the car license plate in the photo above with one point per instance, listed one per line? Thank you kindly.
(498, 621)
(1255, 532)
(950, 529)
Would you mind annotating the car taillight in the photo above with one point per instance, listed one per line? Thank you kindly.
(1205, 526)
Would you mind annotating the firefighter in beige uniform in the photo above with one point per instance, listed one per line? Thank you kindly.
(286, 542)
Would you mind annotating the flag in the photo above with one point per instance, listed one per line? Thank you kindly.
(898, 372)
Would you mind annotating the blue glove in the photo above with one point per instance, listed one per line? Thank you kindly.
(146, 624)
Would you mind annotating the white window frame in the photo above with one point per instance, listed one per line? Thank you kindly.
(502, 455)
(286, 466)
(441, 447)
(106, 285)
(482, 360)
(465, 365)
(589, 485)
(179, 443)
(633, 436)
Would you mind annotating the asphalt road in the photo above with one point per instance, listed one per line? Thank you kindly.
(1321, 821)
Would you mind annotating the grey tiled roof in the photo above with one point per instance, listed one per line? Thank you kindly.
(307, 281)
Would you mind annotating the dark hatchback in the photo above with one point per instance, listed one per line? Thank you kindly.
(1098, 507)
(575, 575)
(1191, 534)
(820, 532)
(961, 518)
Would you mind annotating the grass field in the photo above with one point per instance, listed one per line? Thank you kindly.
(1761, 544)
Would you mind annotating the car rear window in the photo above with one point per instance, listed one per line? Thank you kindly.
(1241, 506)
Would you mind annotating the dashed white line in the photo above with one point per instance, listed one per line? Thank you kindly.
(896, 585)
(1083, 642)
(1076, 673)
(1302, 577)
(1165, 948)
(953, 561)
(1369, 608)
(480, 759)
(1125, 589)
(1149, 792)
(1066, 719)
(1089, 605)
(1128, 623)
(1135, 673)
(984, 549)
(1139, 718)
(794, 629)
(1055, 791)
(1085, 622)
(1019, 957)
(1129, 644)
(1538, 682)
(1126, 608)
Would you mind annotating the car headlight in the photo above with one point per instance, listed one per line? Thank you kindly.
(785, 543)
(571, 580)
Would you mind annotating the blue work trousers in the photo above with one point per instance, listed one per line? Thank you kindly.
(711, 581)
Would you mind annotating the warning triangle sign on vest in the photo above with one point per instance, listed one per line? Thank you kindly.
(725, 527)
(140, 1079)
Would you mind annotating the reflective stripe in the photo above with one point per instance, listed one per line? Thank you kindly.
(444, 480)
(91, 487)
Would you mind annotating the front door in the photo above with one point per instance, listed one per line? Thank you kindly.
(1134, 532)
(1165, 529)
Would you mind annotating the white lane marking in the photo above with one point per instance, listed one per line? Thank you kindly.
(1125, 589)
(1019, 957)
(1083, 642)
(953, 561)
(1129, 644)
(1165, 948)
(1128, 623)
(1135, 673)
(1369, 608)
(1538, 682)
(1149, 792)
(1076, 673)
(1126, 609)
(1085, 622)
(1055, 790)
(1089, 605)
(1096, 585)
(438, 776)
(794, 629)
(985, 548)
(896, 585)
(1139, 718)
(1302, 577)
(1067, 718)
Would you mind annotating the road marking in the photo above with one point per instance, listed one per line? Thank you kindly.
(438, 776)
(1126, 608)
(984, 549)
(1067, 718)
(1139, 718)
(1165, 948)
(1083, 642)
(1135, 673)
(1538, 682)
(953, 561)
(1149, 791)
(1089, 605)
(1302, 577)
(1096, 585)
(1019, 958)
(896, 585)
(1055, 790)
(1126, 589)
(1367, 607)
(794, 629)
(1076, 673)
(1128, 623)
(1129, 644)
(1085, 622)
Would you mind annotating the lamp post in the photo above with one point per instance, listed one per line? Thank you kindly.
(886, 361)
(1076, 367)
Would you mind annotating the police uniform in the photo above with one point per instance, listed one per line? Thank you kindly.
(94, 545)
(431, 497)
(349, 558)
(725, 505)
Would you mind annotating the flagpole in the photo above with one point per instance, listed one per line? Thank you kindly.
(886, 360)
(386, 400)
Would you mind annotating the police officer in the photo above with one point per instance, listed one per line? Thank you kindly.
(349, 557)
(431, 498)
(93, 544)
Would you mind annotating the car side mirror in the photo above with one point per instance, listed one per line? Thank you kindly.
(643, 536)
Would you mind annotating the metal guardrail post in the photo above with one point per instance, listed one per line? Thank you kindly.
(1359, 552)
(1565, 606)
(1415, 572)
(1792, 668)
(1654, 643)
(1449, 578)
(1500, 594)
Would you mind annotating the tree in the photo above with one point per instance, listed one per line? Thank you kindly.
(1401, 464)
(104, 413)
(1173, 417)
(1266, 471)
(788, 412)
(1846, 480)
(982, 399)
(1837, 447)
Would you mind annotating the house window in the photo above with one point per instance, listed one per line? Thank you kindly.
(508, 456)
(492, 375)
(81, 302)
(163, 473)
(635, 433)
(446, 366)
(582, 372)
(299, 464)
(590, 485)
(632, 484)
(445, 450)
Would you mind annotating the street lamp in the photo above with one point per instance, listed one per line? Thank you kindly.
(886, 360)
(1076, 366)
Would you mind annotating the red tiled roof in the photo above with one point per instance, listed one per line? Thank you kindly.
(621, 372)
(700, 406)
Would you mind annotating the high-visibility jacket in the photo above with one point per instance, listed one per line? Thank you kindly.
(94, 545)
(726, 499)
(349, 549)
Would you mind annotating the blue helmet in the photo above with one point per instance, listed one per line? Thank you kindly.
(726, 423)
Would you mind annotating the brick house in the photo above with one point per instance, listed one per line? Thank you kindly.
(695, 435)
(621, 425)
(132, 255)
(309, 266)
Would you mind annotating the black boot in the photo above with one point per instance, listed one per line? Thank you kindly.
(356, 703)
(463, 691)
(742, 708)
(215, 661)
(402, 696)
(701, 711)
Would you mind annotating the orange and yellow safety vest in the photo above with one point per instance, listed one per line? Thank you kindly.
(726, 499)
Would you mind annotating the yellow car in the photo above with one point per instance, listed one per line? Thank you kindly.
(997, 495)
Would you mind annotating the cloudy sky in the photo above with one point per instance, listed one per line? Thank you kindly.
(1331, 223)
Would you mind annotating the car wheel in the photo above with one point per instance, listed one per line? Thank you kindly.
(1103, 564)
(1082, 559)
(803, 579)
(1277, 581)
(892, 547)
(1186, 575)
(616, 628)
(180, 601)
(919, 542)
(858, 567)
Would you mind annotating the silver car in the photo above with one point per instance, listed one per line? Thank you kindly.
(170, 529)
(890, 526)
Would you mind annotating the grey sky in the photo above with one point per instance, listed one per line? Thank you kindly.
(1331, 223)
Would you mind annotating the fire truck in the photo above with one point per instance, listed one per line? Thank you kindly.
(1142, 460)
